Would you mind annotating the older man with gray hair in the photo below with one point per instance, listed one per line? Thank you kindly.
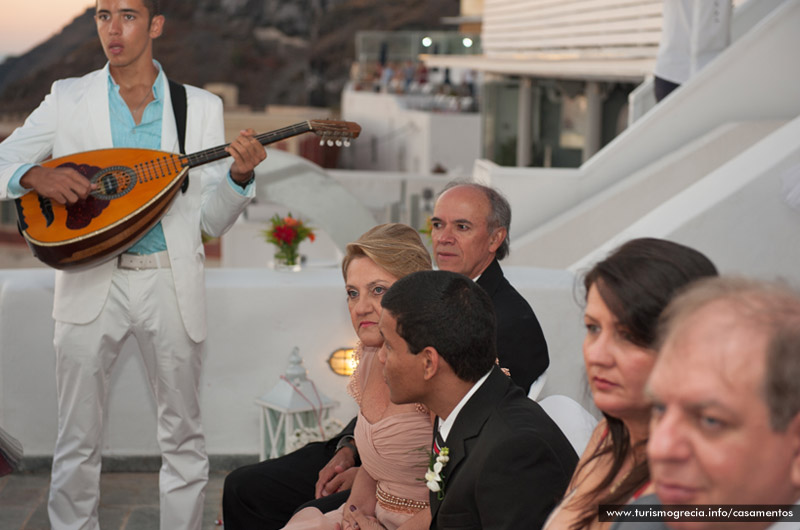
(725, 429)
(469, 230)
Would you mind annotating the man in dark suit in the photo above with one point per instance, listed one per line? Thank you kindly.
(507, 463)
(469, 230)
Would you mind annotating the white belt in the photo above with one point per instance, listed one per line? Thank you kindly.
(158, 260)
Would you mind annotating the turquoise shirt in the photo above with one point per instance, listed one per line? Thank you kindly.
(146, 135)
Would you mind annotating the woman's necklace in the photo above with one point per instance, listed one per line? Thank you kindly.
(619, 482)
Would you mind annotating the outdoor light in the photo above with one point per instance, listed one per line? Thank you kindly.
(427, 41)
(293, 403)
(343, 361)
(467, 42)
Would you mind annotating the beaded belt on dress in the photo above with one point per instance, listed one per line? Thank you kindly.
(393, 503)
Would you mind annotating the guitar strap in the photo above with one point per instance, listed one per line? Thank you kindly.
(177, 93)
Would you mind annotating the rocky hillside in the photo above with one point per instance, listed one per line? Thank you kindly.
(280, 52)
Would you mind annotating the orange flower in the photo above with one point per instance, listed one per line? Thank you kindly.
(291, 221)
(312, 237)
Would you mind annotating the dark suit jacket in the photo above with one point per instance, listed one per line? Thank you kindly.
(521, 346)
(509, 463)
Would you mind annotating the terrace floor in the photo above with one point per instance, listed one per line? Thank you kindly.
(129, 501)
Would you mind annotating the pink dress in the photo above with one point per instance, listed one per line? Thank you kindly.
(394, 451)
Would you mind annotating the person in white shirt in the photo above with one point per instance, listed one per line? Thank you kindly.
(693, 33)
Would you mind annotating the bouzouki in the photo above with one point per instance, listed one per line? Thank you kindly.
(135, 188)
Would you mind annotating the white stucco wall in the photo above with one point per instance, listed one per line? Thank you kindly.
(256, 317)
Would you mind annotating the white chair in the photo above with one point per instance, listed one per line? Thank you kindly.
(574, 421)
(537, 386)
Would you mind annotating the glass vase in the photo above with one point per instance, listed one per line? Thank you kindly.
(286, 260)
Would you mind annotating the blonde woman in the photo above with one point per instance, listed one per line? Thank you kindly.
(392, 440)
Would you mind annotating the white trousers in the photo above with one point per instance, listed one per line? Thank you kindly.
(141, 303)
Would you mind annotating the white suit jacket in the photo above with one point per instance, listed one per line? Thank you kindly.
(74, 117)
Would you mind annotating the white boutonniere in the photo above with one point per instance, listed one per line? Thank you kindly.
(434, 478)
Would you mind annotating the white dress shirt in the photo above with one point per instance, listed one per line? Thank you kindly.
(446, 424)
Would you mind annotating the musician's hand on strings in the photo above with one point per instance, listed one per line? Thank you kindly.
(247, 153)
(62, 184)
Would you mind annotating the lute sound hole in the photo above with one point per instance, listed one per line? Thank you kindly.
(114, 182)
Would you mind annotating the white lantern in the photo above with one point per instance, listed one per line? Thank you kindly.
(293, 403)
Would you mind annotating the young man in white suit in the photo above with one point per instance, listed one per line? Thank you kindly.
(156, 291)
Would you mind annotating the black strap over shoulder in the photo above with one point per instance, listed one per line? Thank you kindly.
(177, 93)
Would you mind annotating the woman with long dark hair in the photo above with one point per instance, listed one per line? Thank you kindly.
(625, 294)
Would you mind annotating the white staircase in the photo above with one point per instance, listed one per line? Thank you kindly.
(571, 235)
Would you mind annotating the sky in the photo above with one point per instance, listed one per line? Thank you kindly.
(26, 23)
